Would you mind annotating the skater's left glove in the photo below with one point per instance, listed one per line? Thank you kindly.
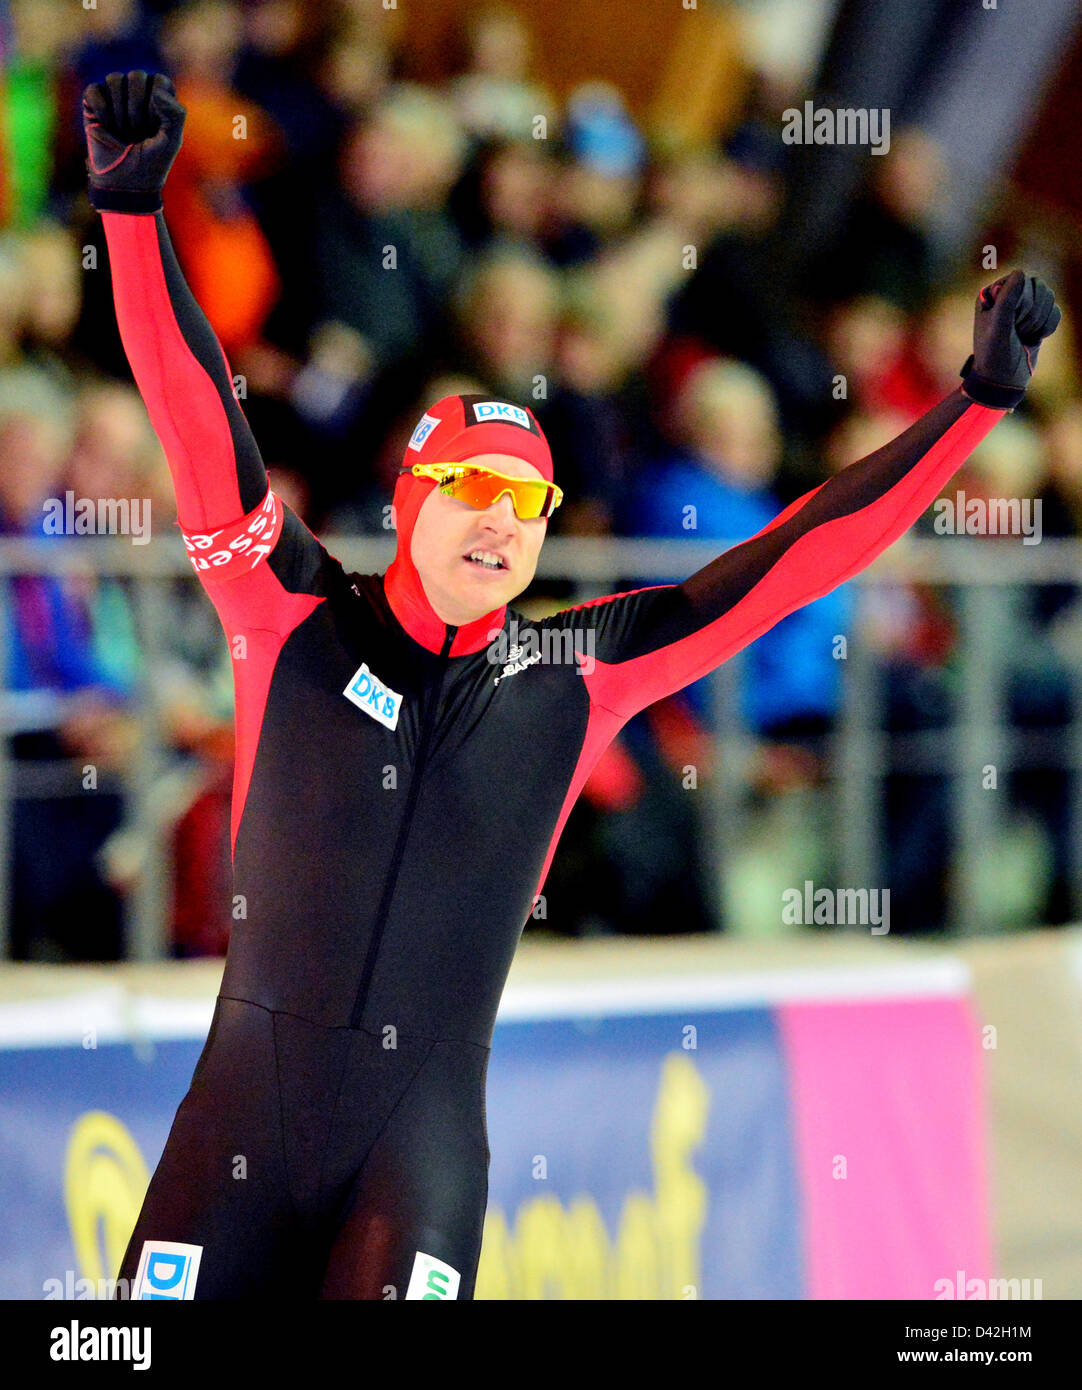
(1013, 315)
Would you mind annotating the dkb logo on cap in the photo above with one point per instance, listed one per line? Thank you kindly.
(500, 413)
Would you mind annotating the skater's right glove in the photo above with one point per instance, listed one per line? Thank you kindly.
(1013, 314)
(133, 129)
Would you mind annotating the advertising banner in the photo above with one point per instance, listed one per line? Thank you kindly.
(771, 1137)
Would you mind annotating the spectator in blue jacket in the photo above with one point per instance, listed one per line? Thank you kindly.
(60, 707)
(717, 486)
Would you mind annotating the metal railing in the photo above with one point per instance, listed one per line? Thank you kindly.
(987, 575)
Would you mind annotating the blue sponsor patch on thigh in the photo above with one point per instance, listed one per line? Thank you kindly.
(167, 1270)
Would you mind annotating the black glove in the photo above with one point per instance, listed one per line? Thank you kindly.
(133, 129)
(1013, 314)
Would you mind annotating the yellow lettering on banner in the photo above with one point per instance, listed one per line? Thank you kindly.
(587, 1249)
(683, 1105)
(105, 1181)
(558, 1253)
(542, 1246)
(635, 1266)
(495, 1277)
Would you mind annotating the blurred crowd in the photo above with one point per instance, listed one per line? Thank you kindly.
(364, 243)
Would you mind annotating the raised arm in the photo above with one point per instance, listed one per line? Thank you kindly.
(183, 377)
(229, 517)
(262, 568)
(652, 642)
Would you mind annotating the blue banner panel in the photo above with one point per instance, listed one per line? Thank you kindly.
(80, 1133)
(632, 1157)
(641, 1157)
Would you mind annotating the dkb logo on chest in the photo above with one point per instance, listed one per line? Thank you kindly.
(370, 694)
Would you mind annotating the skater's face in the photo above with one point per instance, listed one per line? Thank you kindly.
(448, 531)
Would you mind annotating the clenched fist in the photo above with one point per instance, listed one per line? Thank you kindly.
(1013, 315)
(133, 129)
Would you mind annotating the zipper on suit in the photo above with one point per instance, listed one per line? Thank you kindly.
(427, 724)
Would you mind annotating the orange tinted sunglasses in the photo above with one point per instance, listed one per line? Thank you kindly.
(480, 487)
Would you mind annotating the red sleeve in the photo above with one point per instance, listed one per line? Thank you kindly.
(651, 642)
(262, 568)
(183, 377)
(230, 520)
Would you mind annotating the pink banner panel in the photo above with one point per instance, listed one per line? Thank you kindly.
(887, 1101)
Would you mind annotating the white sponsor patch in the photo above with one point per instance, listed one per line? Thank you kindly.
(431, 1278)
(167, 1270)
(370, 694)
(501, 412)
(425, 426)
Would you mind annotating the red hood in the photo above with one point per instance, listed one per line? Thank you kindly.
(455, 428)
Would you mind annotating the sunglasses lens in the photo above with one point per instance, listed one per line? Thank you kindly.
(530, 498)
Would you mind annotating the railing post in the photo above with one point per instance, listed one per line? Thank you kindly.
(147, 937)
(1074, 762)
(723, 809)
(7, 786)
(987, 615)
(861, 762)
